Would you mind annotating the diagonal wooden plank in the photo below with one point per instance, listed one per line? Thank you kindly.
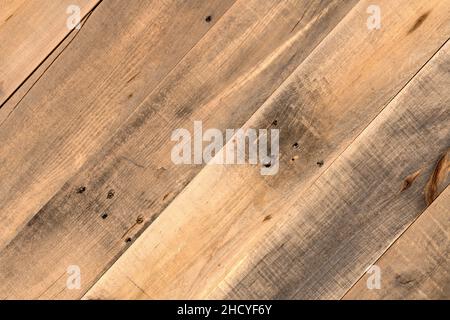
(222, 81)
(29, 31)
(417, 265)
(95, 84)
(210, 227)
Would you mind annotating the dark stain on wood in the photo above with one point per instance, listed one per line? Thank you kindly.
(133, 77)
(419, 22)
(184, 112)
(409, 180)
(404, 279)
(139, 220)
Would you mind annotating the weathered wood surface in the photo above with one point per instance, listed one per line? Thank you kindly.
(417, 266)
(211, 230)
(108, 70)
(221, 81)
(29, 31)
(13, 101)
(358, 207)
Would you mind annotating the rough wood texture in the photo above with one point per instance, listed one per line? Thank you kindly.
(29, 31)
(87, 93)
(356, 209)
(210, 227)
(87, 179)
(237, 66)
(417, 266)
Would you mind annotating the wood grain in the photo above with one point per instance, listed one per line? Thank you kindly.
(360, 205)
(417, 266)
(29, 31)
(221, 81)
(108, 70)
(208, 230)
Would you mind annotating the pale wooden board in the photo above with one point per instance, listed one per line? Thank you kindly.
(342, 86)
(29, 31)
(417, 265)
(107, 71)
(222, 81)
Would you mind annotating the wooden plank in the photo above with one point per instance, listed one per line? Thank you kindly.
(222, 81)
(208, 230)
(417, 265)
(29, 31)
(105, 74)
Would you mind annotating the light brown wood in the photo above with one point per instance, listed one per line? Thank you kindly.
(14, 100)
(208, 230)
(417, 266)
(29, 31)
(108, 70)
(350, 215)
(221, 81)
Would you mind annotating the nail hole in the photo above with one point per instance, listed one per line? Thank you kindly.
(110, 194)
(139, 220)
(81, 189)
(296, 145)
(267, 164)
(320, 163)
(275, 122)
(104, 216)
(128, 240)
(208, 19)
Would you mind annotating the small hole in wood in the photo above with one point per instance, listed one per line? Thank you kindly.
(208, 19)
(110, 194)
(104, 216)
(81, 189)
